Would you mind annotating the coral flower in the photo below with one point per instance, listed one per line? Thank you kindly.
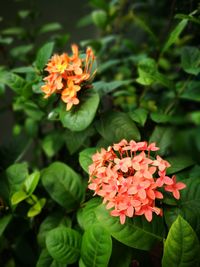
(68, 75)
(128, 179)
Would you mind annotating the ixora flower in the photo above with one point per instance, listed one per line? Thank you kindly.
(68, 75)
(128, 179)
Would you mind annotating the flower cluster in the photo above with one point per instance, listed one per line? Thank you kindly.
(128, 179)
(67, 75)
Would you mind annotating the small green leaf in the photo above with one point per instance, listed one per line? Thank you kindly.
(100, 18)
(36, 208)
(116, 126)
(81, 116)
(31, 182)
(64, 185)
(85, 157)
(43, 55)
(139, 115)
(4, 221)
(64, 244)
(190, 59)
(181, 247)
(76, 140)
(191, 91)
(49, 27)
(175, 34)
(52, 143)
(136, 232)
(149, 74)
(96, 241)
(18, 197)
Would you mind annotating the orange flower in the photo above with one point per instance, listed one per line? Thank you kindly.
(67, 75)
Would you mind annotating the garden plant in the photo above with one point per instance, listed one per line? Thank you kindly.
(103, 167)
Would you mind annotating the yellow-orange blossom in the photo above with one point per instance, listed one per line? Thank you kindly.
(67, 74)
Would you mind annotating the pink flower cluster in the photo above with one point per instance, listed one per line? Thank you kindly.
(128, 179)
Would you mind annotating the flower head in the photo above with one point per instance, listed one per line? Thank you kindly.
(68, 74)
(129, 179)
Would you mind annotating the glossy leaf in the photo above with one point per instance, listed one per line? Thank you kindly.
(85, 157)
(179, 163)
(80, 116)
(43, 55)
(192, 91)
(63, 185)
(64, 244)
(36, 208)
(49, 27)
(188, 205)
(16, 175)
(136, 233)
(181, 247)
(99, 18)
(45, 260)
(163, 138)
(52, 143)
(96, 241)
(18, 197)
(50, 222)
(86, 215)
(116, 126)
(31, 182)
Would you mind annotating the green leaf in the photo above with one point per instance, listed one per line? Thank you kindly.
(81, 116)
(86, 215)
(96, 241)
(13, 81)
(36, 208)
(50, 222)
(99, 18)
(85, 157)
(139, 115)
(116, 126)
(16, 175)
(45, 260)
(160, 117)
(136, 233)
(30, 108)
(28, 69)
(174, 35)
(188, 205)
(63, 185)
(181, 247)
(105, 66)
(64, 244)
(13, 31)
(18, 197)
(49, 27)
(163, 137)
(4, 221)
(190, 59)
(103, 88)
(75, 140)
(148, 74)
(191, 91)
(31, 182)
(43, 55)
(52, 143)
(179, 163)
(21, 51)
